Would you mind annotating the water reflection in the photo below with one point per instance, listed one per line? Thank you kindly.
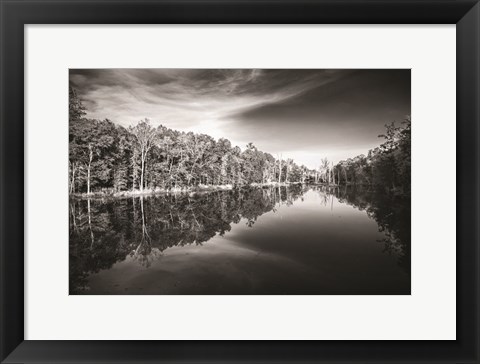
(392, 214)
(124, 233)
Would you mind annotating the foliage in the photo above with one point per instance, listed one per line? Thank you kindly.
(104, 157)
(147, 157)
(76, 110)
(386, 167)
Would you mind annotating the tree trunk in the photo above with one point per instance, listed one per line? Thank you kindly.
(88, 179)
(90, 149)
(134, 169)
(191, 172)
(141, 174)
(170, 174)
(72, 181)
(279, 171)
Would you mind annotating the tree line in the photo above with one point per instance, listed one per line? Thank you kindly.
(386, 167)
(105, 157)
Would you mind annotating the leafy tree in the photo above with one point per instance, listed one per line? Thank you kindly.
(386, 167)
(93, 148)
(76, 110)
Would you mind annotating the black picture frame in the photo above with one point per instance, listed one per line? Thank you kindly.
(16, 13)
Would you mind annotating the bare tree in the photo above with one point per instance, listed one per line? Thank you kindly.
(89, 166)
(145, 137)
(324, 169)
(289, 164)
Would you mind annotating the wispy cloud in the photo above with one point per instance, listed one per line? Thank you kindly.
(181, 98)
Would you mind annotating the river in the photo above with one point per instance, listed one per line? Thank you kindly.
(283, 240)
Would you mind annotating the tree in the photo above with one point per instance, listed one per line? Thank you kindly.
(280, 169)
(76, 110)
(122, 157)
(332, 171)
(223, 149)
(324, 169)
(289, 164)
(386, 167)
(145, 138)
(90, 139)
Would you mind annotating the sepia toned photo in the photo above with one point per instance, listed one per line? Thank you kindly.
(239, 181)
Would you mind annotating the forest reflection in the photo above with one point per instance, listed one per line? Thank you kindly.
(106, 231)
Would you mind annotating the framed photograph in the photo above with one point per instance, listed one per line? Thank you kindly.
(240, 181)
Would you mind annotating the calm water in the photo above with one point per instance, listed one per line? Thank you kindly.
(295, 240)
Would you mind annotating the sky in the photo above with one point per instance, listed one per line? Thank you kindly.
(303, 114)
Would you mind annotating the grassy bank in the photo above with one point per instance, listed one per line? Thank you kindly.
(159, 191)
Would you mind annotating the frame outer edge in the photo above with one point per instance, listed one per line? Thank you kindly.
(11, 109)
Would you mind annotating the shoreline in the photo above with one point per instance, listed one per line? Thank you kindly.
(195, 190)
(163, 191)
